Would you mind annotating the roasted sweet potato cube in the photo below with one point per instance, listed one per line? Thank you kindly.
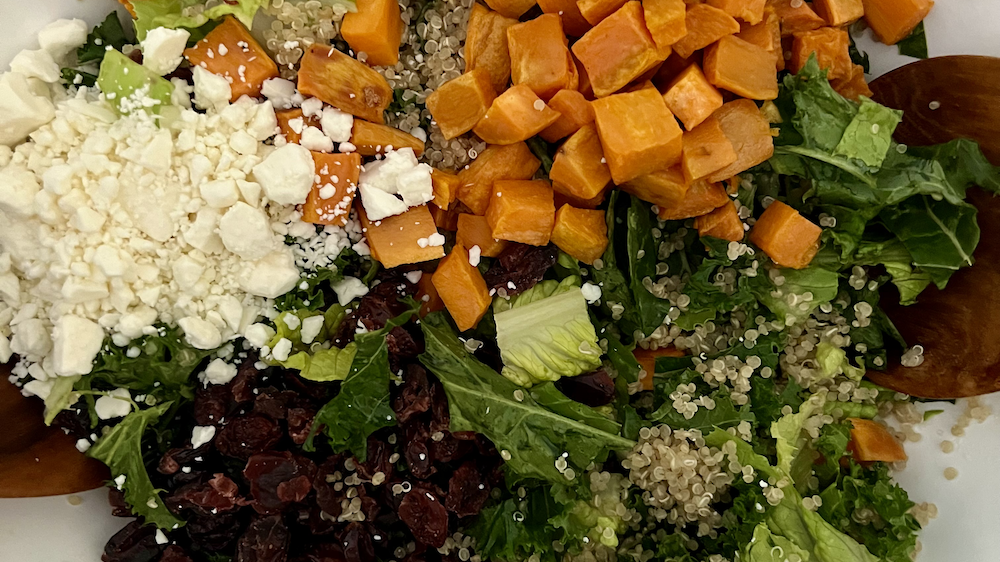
(795, 16)
(230, 51)
(395, 240)
(474, 230)
(873, 442)
(291, 123)
(706, 150)
(584, 87)
(595, 11)
(578, 169)
(666, 21)
(893, 20)
(375, 29)
(702, 197)
(573, 21)
(372, 138)
(522, 211)
(638, 133)
(741, 68)
(511, 8)
(750, 11)
(672, 68)
(663, 188)
(428, 296)
(592, 203)
(705, 25)
(767, 36)
(344, 83)
(497, 162)
(581, 233)
(539, 56)
(647, 360)
(749, 131)
(458, 104)
(691, 98)
(831, 48)
(486, 45)
(787, 237)
(462, 289)
(444, 219)
(574, 110)
(723, 223)
(617, 50)
(854, 86)
(329, 201)
(839, 13)
(445, 186)
(515, 116)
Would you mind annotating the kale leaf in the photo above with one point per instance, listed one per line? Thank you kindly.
(915, 44)
(651, 310)
(109, 33)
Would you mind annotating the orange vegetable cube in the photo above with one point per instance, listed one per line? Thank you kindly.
(486, 45)
(617, 50)
(787, 237)
(444, 219)
(458, 104)
(691, 98)
(329, 201)
(584, 87)
(573, 21)
(750, 11)
(516, 115)
(395, 240)
(581, 233)
(893, 20)
(522, 211)
(795, 17)
(749, 131)
(839, 13)
(291, 123)
(647, 360)
(638, 132)
(663, 188)
(767, 36)
(376, 30)
(511, 8)
(539, 56)
(372, 138)
(578, 169)
(230, 51)
(445, 185)
(575, 111)
(666, 21)
(595, 11)
(462, 289)
(706, 150)
(723, 223)
(474, 230)
(672, 68)
(872, 442)
(497, 162)
(831, 48)
(744, 69)
(427, 294)
(344, 83)
(854, 86)
(702, 197)
(705, 25)
(592, 203)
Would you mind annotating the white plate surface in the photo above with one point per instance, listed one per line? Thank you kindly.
(968, 525)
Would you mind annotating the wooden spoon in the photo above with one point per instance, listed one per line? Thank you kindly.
(943, 99)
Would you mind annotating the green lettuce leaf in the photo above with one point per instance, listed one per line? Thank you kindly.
(869, 135)
(323, 365)
(642, 257)
(898, 263)
(123, 80)
(173, 14)
(109, 33)
(795, 456)
(808, 531)
(815, 282)
(622, 359)
(725, 414)
(314, 361)
(513, 530)
(540, 291)
(915, 44)
(767, 547)
(615, 289)
(60, 397)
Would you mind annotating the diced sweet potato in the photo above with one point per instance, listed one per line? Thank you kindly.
(428, 295)
(749, 131)
(444, 219)
(344, 83)
(839, 13)
(229, 50)
(666, 21)
(663, 188)
(330, 199)
(831, 48)
(766, 35)
(458, 104)
(893, 20)
(539, 56)
(511, 8)
(515, 116)
(638, 132)
(705, 25)
(578, 169)
(691, 98)
(581, 233)
(474, 230)
(788, 238)
(394, 240)
(741, 68)
(706, 150)
(617, 50)
(592, 203)
(872, 442)
(854, 86)
(486, 45)
(573, 21)
(584, 87)
(723, 223)
(702, 197)
(574, 112)
(375, 29)
(462, 289)
(291, 122)
(497, 162)
(750, 11)
(647, 360)
(522, 211)
(795, 16)
(595, 11)
(372, 138)
(672, 68)
(445, 186)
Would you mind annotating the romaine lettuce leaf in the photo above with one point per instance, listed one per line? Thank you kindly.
(129, 86)
(150, 14)
(314, 361)
(817, 283)
(869, 135)
(795, 456)
(541, 290)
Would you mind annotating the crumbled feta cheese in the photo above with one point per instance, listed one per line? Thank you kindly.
(220, 193)
(82, 445)
(210, 90)
(475, 255)
(116, 404)
(201, 334)
(413, 276)
(76, 344)
(264, 123)
(591, 292)
(246, 231)
(380, 204)
(312, 107)
(282, 349)
(436, 239)
(31, 339)
(415, 185)
(120, 481)
(286, 175)
(384, 174)
(36, 64)
(160, 537)
(348, 289)
(22, 108)
(202, 434)
(314, 139)
(337, 124)
(38, 388)
(217, 372)
(259, 334)
(271, 276)
(311, 328)
(62, 37)
(163, 49)
(280, 92)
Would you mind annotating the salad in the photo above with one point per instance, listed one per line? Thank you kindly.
(438, 280)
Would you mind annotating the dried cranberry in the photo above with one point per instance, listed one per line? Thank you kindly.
(211, 403)
(327, 498)
(213, 532)
(134, 543)
(272, 403)
(449, 449)
(467, 492)
(520, 267)
(246, 381)
(417, 453)
(174, 553)
(300, 424)
(220, 494)
(440, 416)
(119, 507)
(594, 389)
(324, 552)
(245, 436)
(76, 422)
(402, 343)
(175, 459)
(277, 479)
(356, 541)
(427, 519)
(265, 540)
(376, 461)
(413, 396)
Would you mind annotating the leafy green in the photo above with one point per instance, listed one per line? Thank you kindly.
(323, 365)
(550, 397)
(811, 287)
(869, 135)
(540, 291)
(963, 163)
(708, 297)
(811, 532)
(615, 288)
(315, 361)
(123, 81)
(314, 289)
(121, 449)
(109, 33)
(514, 530)
(622, 359)
(795, 457)
(724, 414)
(150, 14)
(858, 57)
(767, 547)
(815, 116)
(60, 397)
(833, 361)
(915, 44)
(898, 263)
(543, 151)
(642, 255)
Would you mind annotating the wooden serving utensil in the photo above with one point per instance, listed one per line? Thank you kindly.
(942, 99)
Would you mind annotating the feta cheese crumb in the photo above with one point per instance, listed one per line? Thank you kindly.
(311, 328)
(286, 175)
(36, 64)
(348, 289)
(210, 90)
(160, 537)
(23, 109)
(77, 342)
(62, 37)
(591, 292)
(337, 124)
(380, 204)
(475, 255)
(413, 276)
(163, 49)
(201, 334)
(202, 434)
(436, 239)
(259, 334)
(82, 445)
(312, 107)
(246, 231)
(280, 92)
(219, 372)
(282, 349)
(116, 404)
(314, 139)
